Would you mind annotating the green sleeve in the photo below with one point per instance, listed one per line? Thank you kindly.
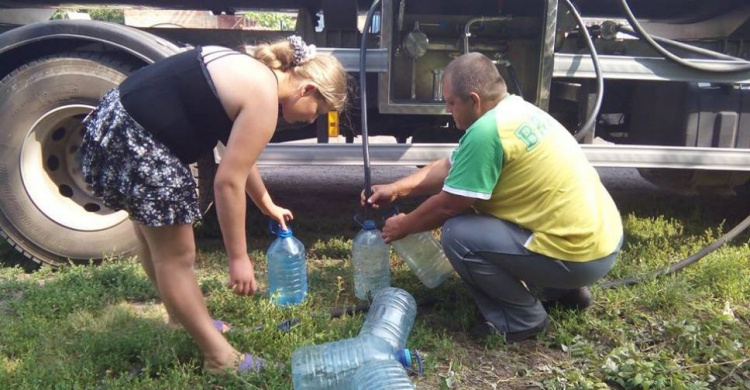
(477, 161)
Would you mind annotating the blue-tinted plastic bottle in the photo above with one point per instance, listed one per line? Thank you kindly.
(333, 365)
(425, 257)
(287, 269)
(371, 261)
(382, 375)
(391, 316)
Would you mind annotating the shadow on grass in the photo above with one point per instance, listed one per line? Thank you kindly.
(697, 212)
(9, 257)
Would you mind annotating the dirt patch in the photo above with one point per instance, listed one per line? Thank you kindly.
(519, 367)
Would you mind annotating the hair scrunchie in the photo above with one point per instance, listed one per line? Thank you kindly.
(302, 51)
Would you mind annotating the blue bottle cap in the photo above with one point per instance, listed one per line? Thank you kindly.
(284, 233)
(369, 224)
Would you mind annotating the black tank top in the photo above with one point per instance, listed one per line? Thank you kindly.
(176, 101)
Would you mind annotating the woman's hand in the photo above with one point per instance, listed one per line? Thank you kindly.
(242, 276)
(280, 214)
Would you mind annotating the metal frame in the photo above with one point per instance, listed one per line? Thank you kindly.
(387, 106)
(548, 56)
(619, 156)
(641, 68)
(574, 66)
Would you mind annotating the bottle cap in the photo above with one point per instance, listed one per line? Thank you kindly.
(284, 233)
(369, 224)
(276, 229)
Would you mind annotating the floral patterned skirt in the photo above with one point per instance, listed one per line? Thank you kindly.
(132, 171)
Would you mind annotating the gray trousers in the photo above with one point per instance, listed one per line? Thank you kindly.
(490, 257)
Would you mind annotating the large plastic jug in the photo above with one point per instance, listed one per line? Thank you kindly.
(371, 261)
(287, 268)
(333, 365)
(425, 257)
(382, 375)
(391, 316)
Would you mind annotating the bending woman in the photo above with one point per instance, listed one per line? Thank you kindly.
(143, 135)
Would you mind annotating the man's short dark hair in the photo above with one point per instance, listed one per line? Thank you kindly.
(474, 72)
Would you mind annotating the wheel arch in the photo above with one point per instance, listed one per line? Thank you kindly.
(30, 42)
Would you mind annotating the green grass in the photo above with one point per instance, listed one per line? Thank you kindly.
(90, 327)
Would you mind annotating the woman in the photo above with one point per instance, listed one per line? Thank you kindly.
(140, 140)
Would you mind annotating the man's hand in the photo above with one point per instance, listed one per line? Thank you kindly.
(393, 229)
(382, 195)
(242, 276)
(280, 214)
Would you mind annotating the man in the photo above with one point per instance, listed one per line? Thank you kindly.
(524, 214)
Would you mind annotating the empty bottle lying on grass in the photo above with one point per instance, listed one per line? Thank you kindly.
(332, 365)
(382, 375)
(391, 316)
(383, 337)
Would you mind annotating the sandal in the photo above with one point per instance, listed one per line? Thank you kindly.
(245, 364)
(221, 326)
(250, 363)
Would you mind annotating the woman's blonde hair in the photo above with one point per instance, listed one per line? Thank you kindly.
(323, 71)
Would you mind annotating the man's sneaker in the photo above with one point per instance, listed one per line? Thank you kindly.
(484, 329)
(578, 299)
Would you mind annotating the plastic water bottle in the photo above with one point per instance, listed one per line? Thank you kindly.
(425, 257)
(391, 316)
(287, 268)
(371, 260)
(382, 375)
(333, 365)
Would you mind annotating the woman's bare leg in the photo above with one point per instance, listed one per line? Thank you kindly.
(172, 250)
(144, 256)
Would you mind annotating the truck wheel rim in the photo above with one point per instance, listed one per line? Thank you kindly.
(50, 165)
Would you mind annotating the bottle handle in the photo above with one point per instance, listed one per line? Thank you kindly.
(413, 356)
(273, 226)
(420, 364)
(358, 219)
(394, 210)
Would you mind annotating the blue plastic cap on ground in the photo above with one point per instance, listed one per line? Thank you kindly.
(369, 224)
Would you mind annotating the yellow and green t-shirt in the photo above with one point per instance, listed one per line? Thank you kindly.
(524, 167)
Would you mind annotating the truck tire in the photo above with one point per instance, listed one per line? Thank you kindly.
(47, 211)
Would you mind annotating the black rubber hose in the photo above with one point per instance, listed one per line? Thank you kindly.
(683, 263)
(588, 125)
(363, 97)
(718, 68)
